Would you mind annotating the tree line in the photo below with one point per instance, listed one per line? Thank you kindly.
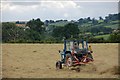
(36, 32)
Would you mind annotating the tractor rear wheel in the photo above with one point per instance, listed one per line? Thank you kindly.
(68, 60)
(59, 65)
(90, 56)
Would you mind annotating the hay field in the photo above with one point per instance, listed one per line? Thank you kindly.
(38, 61)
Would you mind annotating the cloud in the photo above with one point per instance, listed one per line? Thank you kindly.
(69, 0)
(55, 10)
(43, 9)
(66, 15)
(20, 0)
(18, 7)
(25, 3)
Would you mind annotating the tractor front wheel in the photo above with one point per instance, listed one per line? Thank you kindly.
(59, 65)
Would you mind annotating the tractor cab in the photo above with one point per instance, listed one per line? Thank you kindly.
(69, 45)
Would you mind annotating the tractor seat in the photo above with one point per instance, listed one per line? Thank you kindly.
(81, 51)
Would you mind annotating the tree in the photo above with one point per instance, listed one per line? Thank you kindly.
(36, 25)
(58, 32)
(33, 35)
(94, 21)
(12, 33)
(80, 21)
(100, 18)
(71, 30)
(8, 31)
(88, 19)
(115, 37)
(68, 31)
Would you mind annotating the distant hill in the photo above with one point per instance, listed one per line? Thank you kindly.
(88, 24)
(60, 23)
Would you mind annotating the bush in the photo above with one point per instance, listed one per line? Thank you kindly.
(96, 40)
(115, 37)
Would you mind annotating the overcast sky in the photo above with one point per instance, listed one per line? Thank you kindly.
(13, 10)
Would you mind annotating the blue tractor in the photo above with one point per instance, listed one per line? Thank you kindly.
(75, 52)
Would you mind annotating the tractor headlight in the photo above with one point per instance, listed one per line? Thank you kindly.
(75, 51)
(88, 51)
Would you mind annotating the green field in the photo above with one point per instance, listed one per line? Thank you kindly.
(62, 23)
(104, 36)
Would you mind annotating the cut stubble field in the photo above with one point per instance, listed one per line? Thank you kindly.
(38, 61)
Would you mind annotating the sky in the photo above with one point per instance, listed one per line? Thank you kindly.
(24, 10)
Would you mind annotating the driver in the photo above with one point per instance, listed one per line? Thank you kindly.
(76, 46)
(77, 51)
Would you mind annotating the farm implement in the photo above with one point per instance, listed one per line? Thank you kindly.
(75, 53)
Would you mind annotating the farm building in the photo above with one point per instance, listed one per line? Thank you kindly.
(20, 23)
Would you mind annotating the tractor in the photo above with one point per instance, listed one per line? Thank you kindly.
(75, 53)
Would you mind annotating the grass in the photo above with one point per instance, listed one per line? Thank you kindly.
(104, 36)
(113, 26)
(38, 61)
